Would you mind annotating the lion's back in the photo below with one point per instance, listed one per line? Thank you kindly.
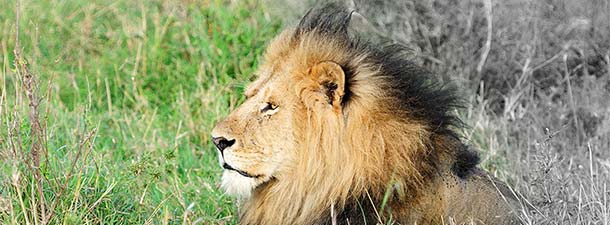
(481, 199)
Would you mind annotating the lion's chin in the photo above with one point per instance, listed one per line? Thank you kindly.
(238, 185)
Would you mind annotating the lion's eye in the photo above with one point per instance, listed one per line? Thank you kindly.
(269, 107)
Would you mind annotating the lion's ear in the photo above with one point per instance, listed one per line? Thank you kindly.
(331, 80)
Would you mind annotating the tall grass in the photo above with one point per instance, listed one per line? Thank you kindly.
(126, 93)
(536, 75)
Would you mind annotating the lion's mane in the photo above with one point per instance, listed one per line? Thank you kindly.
(394, 133)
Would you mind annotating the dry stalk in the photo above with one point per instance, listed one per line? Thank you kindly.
(571, 97)
(37, 133)
(487, 47)
(38, 151)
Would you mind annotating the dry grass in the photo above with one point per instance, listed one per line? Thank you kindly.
(536, 76)
(127, 92)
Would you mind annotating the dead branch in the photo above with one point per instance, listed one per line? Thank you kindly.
(30, 86)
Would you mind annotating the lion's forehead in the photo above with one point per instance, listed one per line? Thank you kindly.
(272, 88)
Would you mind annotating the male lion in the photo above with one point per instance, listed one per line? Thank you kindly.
(336, 130)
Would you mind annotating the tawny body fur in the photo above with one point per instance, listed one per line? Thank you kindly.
(335, 130)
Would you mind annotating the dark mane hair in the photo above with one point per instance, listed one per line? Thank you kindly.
(417, 93)
(391, 129)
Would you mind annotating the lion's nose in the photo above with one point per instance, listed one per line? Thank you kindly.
(222, 143)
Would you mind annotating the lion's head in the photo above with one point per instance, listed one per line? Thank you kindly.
(329, 119)
(261, 140)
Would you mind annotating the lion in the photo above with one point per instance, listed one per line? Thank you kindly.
(337, 130)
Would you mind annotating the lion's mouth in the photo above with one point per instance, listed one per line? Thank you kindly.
(241, 172)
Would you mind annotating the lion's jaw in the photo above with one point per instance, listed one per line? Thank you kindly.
(238, 185)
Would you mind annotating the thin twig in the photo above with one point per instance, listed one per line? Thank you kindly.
(70, 173)
(548, 61)
(571, 96)
(487, 47)
(36, 131)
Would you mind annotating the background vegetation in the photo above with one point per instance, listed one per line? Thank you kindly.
(126, 93)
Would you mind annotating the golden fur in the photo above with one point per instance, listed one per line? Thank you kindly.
(327, 134)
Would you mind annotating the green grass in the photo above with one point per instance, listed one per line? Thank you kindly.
(129, 91)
